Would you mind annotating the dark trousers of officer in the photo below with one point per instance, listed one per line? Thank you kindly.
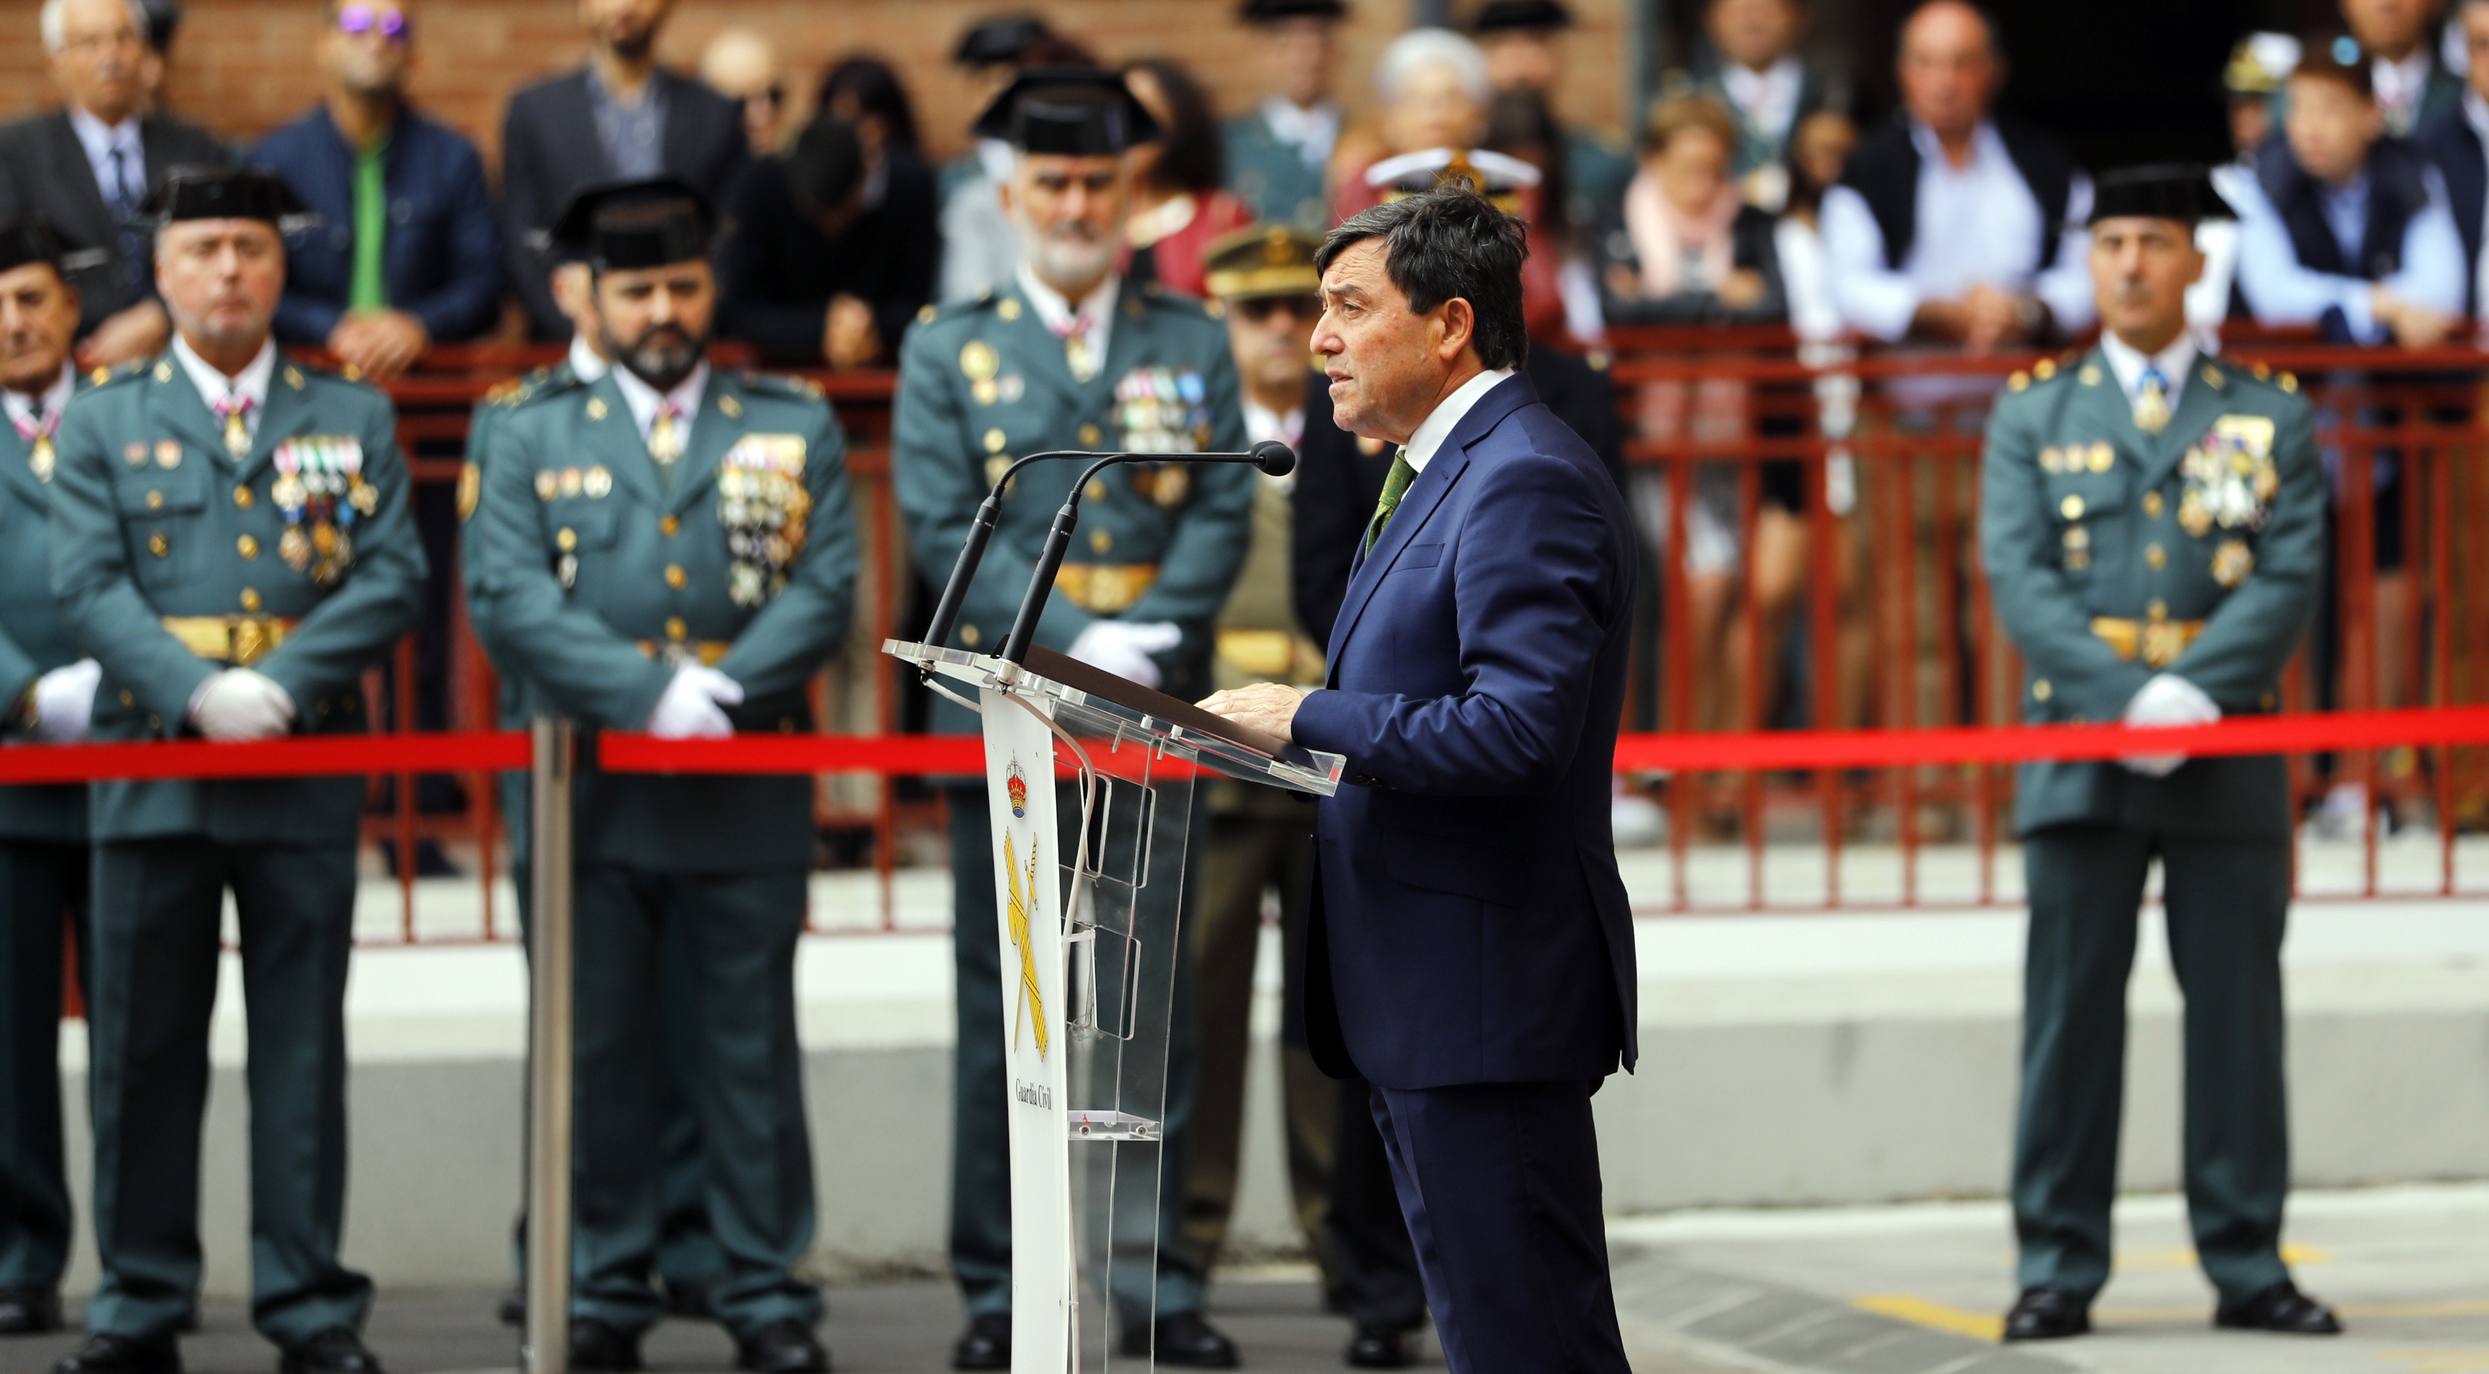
(1244, 856)
(157, 953)
(688, 1259)
(980, 1116)
(2227, 901)
(43, 895)
(733, 937)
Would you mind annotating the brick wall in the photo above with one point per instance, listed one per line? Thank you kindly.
(244, 66)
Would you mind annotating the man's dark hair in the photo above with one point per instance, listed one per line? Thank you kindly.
(1444, 243)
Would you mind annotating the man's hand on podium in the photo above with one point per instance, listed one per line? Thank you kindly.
(1269, 707)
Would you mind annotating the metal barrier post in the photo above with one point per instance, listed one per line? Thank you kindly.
(546, 1348)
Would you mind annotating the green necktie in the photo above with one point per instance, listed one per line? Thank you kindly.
(1395, 486)
(368, 288)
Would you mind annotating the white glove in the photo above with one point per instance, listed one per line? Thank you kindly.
(694, 703)
(65, 701)
(2167, 700)
(1124, 648)
(238, 704)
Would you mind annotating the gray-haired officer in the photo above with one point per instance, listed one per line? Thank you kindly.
(231, 539)
(1070, 357)
(2151, 521)
(672, 549)
(47, 692)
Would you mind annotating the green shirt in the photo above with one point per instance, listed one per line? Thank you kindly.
(367, 290)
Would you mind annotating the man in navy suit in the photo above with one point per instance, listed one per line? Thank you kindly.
(1470, 952)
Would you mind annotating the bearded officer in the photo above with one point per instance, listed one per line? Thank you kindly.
(49, 691)
(2151, 522)
(230, 536)
(1070, 357)
(672, 549)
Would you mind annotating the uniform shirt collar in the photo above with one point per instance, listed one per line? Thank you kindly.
(586, 363)
(644, 399)
(1057, 313)
(1438, 426)
(1313, 129)
(55, 397)
(1767, 97)
(214, 386)
(2128, 363)
(1262, 422)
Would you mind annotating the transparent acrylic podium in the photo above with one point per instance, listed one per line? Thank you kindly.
(1090, 778)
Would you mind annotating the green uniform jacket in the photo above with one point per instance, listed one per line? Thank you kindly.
(151, 519)
(984, 382)
(587, 567)
(1268, 174)
(33, 641)
(2219, 519)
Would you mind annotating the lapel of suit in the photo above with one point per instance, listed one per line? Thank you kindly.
(287, 415)
(2198, 406)
(1420, 502)
(713, 431)
(609, 438)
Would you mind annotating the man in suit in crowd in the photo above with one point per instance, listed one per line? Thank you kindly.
(2400, 38)
(47, 693)
(1279, 155)
(1072, 356)
(406, 253)
(230, 536)
(1471, 952)
(672, 549)
(2457, 141)
(619, 117)
(1754, 70)
(87, 167)
(2151, 524)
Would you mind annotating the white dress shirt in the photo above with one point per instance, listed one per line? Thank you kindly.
(1437, 427)
(1058, 313)
(1312, 132)
(2400, 87)
(1977, 223)
(644, 400)
(99, 139)
(1766, 100)
(586, 363)
(20, 407)
(214, 386)
(2128, 363)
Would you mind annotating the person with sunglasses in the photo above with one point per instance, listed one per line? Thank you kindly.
(405, 253)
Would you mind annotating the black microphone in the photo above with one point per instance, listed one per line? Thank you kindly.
(971, 553)
(1274, 458)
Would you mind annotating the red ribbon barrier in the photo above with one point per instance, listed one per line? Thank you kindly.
(323, 756)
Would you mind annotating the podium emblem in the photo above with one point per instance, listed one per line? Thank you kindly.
(1015, 786)
(1030, 1010)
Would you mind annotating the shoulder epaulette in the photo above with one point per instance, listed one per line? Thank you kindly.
(2285, 382)
(1177, 301)
(779, 384)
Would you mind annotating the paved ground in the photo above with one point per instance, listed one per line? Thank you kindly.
(1898, 1290)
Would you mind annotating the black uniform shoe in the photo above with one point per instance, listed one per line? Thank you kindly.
(2046, 1314)
(787, 1347)
(1185, 1341)
(986, 1344)
(29, 1311)
(120, 1355)
(595, 1345)
(2281, 1308)
(513, 1308)
(334, 1351)
(689, 1301)
(1378, 1347)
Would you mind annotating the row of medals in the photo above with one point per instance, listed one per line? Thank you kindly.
(311, 491)
(764, 506)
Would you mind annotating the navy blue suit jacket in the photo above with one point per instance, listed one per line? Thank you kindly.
(441, 256)
(2455, 148)
(1469, 925)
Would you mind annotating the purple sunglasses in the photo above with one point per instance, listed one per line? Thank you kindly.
(362, 19)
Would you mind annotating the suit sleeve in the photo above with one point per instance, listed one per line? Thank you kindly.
(804, 625)
(469, 302)
(91, 575)
(1200, 565)
(939, 488)
(382, 596)
(524, 210)
(1537, 591)
(522, 615)
(2250, 639)
(2045, 616)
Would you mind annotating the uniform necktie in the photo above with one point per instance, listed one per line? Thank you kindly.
(2152, 402)
(1395, 486)
(235, 411)
(1079, 353)
(36, 429)
(665, 438)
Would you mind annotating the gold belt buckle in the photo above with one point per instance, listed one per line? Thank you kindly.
(246, 640)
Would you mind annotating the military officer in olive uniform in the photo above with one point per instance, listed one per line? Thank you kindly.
(2151, 522)
(231, 540)
(1070, 357)
(672, 549)
(48, 690)
(1279, 154)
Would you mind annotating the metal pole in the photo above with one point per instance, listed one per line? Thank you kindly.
(546, 1347)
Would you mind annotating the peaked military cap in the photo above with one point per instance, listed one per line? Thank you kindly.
(1272, 11)
(2260, 64)
(998, 42)
(1073, 111)
(1499, 177)
(1263, 260)
(221, 193)
(2171, 190)
(623, 226)
(1518, 16)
